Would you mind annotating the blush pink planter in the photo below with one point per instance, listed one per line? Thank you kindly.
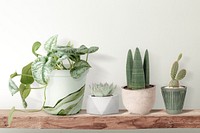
(139, 101)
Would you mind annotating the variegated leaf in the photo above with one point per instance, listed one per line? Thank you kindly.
(50, 43)
(41, 68)
(13, 87)
(79, 68)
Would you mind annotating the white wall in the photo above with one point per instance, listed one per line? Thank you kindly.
(165, 27)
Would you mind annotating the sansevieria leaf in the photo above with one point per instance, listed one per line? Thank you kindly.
(41, 68)
(50, 43)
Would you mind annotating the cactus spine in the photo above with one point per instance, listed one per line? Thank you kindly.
(176, 77)
(136, 73)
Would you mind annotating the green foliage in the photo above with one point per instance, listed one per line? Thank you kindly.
(129, 69)
(39, 69)
(35, 47)
(146, 68)
(136, 73)
(26, 80)
(176, 77)
(43, 65)
(10, 116)
(102, 90)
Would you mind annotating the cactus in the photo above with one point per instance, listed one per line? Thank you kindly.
(102, 90)
(137, 75)
(175, 75)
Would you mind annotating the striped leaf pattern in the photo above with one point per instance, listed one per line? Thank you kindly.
(71, 104)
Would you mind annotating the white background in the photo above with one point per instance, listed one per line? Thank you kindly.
(164, 27)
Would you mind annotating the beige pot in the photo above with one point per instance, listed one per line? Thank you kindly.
(139, 101)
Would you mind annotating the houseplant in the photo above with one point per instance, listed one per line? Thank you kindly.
(174, 93)
(138, 96)
(47, 70)
(102, 99)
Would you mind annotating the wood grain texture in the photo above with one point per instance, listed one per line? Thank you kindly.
(123, 120)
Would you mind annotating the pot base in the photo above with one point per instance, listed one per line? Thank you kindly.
(173, 111)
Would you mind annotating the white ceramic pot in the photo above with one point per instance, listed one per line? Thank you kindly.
(103, 105)
(139, 101)
(64, 94)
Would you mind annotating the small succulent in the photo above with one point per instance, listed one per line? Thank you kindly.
(102, 90)
(175, 75)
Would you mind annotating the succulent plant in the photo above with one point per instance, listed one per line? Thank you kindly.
(136, 73)
(102, 90)
(175, 75)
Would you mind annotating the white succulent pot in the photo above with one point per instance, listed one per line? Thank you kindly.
(103, 105)
(64, 94)
(139, 101)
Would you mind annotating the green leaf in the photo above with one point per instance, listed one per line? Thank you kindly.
(50, 43)
(13, 75)
(41, 68)
(74, 57)
(64, 57)
(27, 71)
(93, 49)
(10, 116)
(24, 91)
(79, 68)
(82, 50)
(35, 47)
(13, 87)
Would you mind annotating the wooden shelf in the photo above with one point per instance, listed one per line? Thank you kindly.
(123, 120)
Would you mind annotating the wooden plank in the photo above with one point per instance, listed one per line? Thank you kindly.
(123, 120)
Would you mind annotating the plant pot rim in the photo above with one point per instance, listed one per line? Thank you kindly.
(174, 88)
(114, 95)
(151, 86)
(62, 73)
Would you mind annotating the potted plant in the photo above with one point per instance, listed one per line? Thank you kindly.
(174, 93)
(102, 101)
(138, 96)
(63, 82)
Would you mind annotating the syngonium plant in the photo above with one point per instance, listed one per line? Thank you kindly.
(176, 75)
(39, 69)
(137, 74)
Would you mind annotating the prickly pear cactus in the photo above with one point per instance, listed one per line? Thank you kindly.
(175, 75)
